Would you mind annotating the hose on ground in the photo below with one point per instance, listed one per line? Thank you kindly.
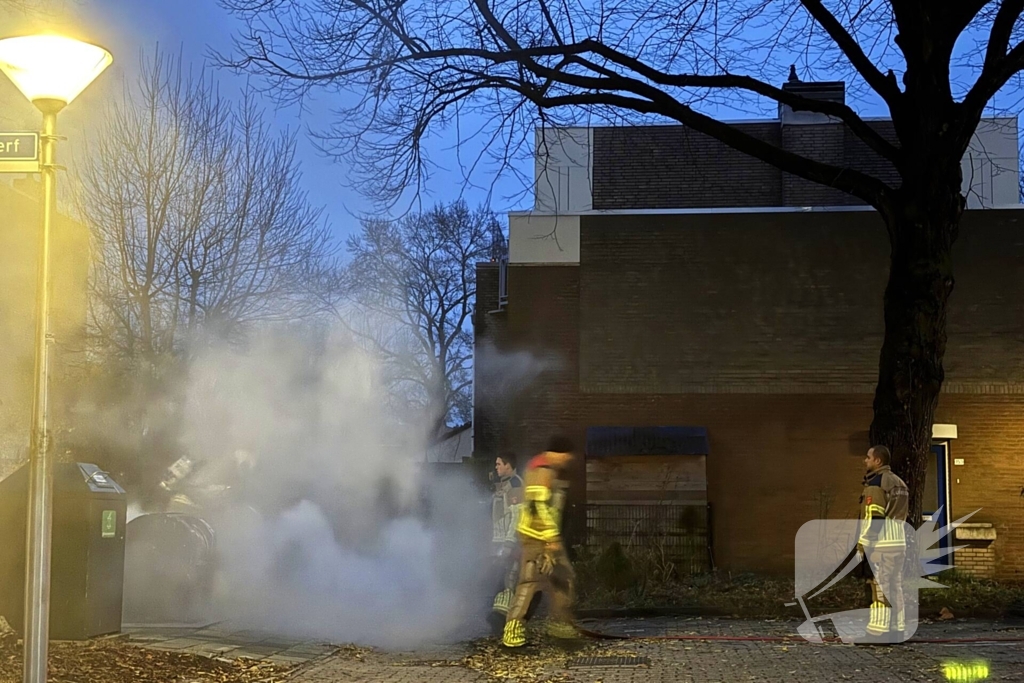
(790, 639)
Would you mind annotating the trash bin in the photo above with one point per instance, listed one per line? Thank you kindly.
(169, 569)
(87, 560)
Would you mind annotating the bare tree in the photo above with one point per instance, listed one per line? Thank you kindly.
(200, 231)
(199, 220)
(410, 289)
(414, 66)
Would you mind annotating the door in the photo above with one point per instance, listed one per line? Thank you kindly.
(936, 503)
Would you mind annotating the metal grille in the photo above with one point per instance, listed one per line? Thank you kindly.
(681, 532)
(628, 660)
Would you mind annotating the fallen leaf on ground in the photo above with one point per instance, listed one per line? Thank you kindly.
(115, 660)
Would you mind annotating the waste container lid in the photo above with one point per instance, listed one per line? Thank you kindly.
(96, 479)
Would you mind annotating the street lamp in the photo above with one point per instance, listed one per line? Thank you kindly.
(50, 71)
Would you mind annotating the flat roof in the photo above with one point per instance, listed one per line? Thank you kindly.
(727, 210)
(1008, 117)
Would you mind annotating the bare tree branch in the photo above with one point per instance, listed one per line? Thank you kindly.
(410, 287)
(198, 218)
(999, 65)
(884, 85)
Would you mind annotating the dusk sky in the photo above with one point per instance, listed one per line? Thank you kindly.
(131, 28)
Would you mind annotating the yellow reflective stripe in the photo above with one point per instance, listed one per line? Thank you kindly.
(892, 535)
(514, 634)
(879, 620)
(545, 535)
(537, 519)
(865, 526)
(537, 493)
(544, 516)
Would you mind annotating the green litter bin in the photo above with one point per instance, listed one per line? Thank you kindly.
(87, 562)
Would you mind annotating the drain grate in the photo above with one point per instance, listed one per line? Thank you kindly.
(581, 662)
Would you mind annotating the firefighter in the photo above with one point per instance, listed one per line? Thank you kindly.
(544, 565)
(505, 506)
(884, 505)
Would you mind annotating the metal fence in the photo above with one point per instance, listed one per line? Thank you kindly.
(681, 532)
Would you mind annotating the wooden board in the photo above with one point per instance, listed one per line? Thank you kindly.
(647, 479)
(647, 497)
(644, 485)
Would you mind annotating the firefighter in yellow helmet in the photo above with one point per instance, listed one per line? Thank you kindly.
(544, 565)
(884, 505)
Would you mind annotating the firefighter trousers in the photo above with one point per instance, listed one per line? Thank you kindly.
(507, 568)
(546, 571)
(888, 608)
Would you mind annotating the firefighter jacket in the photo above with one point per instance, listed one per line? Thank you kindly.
(544, 499)
(884, 504)
(505, 507)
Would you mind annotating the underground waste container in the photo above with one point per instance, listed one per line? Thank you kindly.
(169, 569)
(87, 556)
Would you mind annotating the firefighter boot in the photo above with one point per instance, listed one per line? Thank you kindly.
(502, 601)
(515, 633)
(879, 619)
(898, 626)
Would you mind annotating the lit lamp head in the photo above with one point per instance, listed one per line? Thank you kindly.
(51, 70)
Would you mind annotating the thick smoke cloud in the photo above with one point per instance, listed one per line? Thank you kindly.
(331, 528)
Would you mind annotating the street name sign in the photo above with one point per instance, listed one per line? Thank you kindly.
(19, 152)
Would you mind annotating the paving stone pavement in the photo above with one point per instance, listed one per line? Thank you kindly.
(674, 661)
(223, 640)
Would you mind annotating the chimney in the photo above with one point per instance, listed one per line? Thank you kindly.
(826, 91)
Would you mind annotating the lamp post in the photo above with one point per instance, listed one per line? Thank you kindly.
(50, 71)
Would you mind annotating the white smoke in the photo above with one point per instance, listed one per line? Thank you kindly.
(326, 535)
(506, 374)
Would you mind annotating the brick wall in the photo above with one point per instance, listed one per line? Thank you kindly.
(978, 560)
(776, 462)
(821, 142)
(658, 167)
(749, 435)
(781, 303)
(543, 324)
(488, 326)
(720, 303)
(674, 167)
(991, 443)
(679, 321)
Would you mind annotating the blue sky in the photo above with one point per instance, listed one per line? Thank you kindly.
(131, 27)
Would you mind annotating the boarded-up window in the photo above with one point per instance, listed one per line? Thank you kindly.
(647, 488)
(648, 479)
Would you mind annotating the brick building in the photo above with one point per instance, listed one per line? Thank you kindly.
(671, 301)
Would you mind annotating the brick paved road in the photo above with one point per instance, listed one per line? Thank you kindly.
(692, 661)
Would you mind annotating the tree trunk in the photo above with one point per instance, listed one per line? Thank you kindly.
(922, 230)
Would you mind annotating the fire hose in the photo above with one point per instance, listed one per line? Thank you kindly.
(598, 635)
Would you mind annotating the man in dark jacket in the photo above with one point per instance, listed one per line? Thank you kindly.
(505, 506)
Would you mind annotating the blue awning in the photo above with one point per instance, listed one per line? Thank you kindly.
(604, 442)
